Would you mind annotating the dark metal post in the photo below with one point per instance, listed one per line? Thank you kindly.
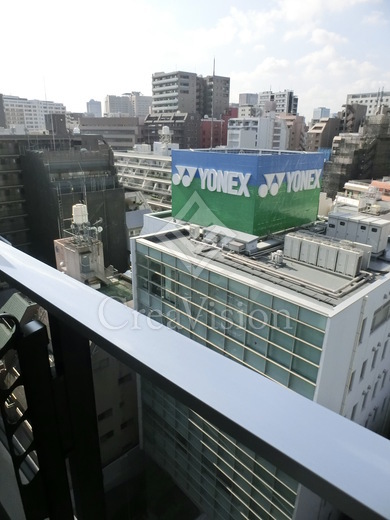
(73, 364)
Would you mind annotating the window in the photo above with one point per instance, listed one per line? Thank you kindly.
(353, 413)
(365, 395)
(102, 363)
(222, 480)
(127, 423)
(363, 370)
(380, 316)
(374, 357)
(104, 415)
(125, 379)
(384, 378)
(107, 436)
(362, 330)
(384, 350)
(342, 223)
(351, 381)
(374, 391)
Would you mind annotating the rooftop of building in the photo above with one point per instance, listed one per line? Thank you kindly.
(249, 151)
(311, 273)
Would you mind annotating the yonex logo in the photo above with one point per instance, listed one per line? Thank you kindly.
(236, 183)
(298, 180)
(225, 181)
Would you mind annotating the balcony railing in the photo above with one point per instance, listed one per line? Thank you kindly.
(344, 463)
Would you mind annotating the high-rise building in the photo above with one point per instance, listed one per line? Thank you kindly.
(352, 117)
(296, 131)
(174, 92)
(146, 171)
(372, 100)
(265, 132)
(359, 156)
(120, 132)
(248, 99)
(186, 92)
(94, 108)
(141, 104)
(213, 132)
(29, 114)
(278, 306)
(56, 180)
(320, 112)
(184, 128)
(117, 106)
(255, 105)
(321, 134)
(15, 220)
(132, 104)
(216, 100)
(2, 113)
(286, 101)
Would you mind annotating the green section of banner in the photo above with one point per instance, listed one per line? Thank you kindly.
(255, 215)
(285, 210)
(207, 208)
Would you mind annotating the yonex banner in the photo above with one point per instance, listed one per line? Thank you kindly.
(255, 193)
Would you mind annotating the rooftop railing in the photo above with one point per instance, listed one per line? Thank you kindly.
(337, 459)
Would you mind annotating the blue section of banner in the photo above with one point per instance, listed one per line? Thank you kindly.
(257, 165)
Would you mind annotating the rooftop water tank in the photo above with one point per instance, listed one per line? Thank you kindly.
(79, 214)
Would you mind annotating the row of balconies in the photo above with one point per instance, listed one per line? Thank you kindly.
(144, 167)
(155, 171)
(165, 88)
(11, 195)
(146, 185)
(172, 80)
(144, 177)
(12, 210)
(164, 99)
(13, 225)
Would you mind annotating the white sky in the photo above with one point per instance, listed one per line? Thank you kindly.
(72, 51)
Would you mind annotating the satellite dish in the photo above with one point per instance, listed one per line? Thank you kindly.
(99, 229)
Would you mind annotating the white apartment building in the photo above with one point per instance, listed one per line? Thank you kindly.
(132, 104)
(285, 101)
(117, 105)
(29, 113)
(248, 99)
(142, 105)
(254, 105)
(174, 91)
(148, 172)
(372, 100)
(188, 92)
(266, 132)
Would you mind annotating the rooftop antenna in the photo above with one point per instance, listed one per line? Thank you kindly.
(212, 107)
(51, 116)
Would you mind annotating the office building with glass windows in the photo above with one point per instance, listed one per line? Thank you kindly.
(305, 305)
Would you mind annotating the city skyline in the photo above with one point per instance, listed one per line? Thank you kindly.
(322, 53)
